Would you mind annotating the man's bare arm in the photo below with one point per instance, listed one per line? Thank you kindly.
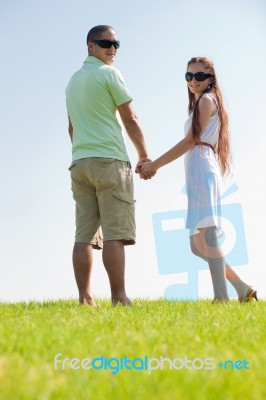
(134, 131)
(133, 128)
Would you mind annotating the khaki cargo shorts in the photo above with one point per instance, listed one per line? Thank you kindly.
(104, 195)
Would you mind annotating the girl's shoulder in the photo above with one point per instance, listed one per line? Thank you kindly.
(209, 102)
(210, 97)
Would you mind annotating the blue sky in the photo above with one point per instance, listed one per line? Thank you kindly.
(42, 45)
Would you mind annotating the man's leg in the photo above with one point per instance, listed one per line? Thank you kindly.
(115, 195)
(87, 223)
(114, 262)
(82, 263)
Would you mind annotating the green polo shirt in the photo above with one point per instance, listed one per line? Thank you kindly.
(93, 95)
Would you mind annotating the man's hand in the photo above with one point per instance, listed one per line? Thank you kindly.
(147, 171)
(140, 163)
(144, 173)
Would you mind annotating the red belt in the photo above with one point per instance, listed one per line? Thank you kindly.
(205, 144)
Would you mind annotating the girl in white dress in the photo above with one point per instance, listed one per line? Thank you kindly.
(207, 158)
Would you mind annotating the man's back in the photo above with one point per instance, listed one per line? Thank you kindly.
(93, 94)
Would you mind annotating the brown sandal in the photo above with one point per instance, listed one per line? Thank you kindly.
(250, 296)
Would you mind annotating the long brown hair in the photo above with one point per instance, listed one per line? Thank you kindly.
(223, 150)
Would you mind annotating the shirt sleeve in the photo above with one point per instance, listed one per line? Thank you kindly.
(118, 89)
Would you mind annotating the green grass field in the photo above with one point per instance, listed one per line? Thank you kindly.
(187, 333)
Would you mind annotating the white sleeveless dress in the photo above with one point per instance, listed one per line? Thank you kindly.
(203, 178)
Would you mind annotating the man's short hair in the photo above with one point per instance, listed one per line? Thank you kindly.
(97, 31)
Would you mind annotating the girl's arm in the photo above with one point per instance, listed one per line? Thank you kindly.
(175, 152)
(207, 108)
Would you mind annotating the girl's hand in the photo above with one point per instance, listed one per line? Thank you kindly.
(147, 170)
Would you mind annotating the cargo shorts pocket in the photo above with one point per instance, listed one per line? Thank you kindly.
(123, 215)
(124, 197)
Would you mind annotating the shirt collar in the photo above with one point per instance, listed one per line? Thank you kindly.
(93, 60)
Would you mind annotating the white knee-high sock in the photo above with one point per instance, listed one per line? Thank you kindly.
(240, 286)
(216, 263)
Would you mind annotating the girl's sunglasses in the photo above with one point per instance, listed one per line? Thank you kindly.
(199, 76)
(107, 44)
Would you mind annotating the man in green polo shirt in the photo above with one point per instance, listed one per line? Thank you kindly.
(101, 175)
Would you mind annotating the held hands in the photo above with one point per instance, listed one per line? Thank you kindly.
(145, 168)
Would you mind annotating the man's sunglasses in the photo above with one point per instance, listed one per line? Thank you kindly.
(107, 44)
(199, 76)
